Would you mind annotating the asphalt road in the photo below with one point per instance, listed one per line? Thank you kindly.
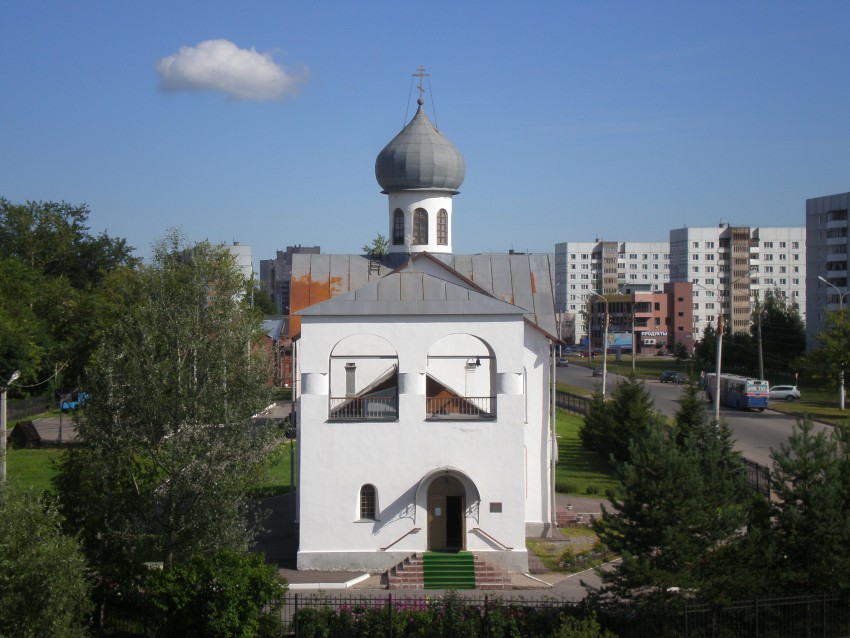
(756, 433)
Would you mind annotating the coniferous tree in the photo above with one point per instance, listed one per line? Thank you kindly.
(631, 412)
(682, 507)
(610, 426)
(812, 510)
(596, 429)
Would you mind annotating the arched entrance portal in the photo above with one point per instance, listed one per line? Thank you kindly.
(446, 520)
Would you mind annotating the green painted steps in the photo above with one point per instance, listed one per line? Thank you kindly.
(449, 570)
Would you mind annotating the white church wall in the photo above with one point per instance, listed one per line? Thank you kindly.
(337, 458)
(536, 441)
(430, 201)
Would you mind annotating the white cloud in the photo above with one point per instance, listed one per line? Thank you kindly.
(219, 65)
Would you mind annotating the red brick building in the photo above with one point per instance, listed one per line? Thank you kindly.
(658, 320)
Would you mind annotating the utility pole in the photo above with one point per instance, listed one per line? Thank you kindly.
(840, 372)
(761, 356)
(3, 390)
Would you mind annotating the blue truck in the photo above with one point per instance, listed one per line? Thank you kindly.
(74, 400)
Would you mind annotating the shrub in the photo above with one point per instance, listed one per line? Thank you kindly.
(592, 489)
(43, 590)
(228, 594)
(564, 487)
(571, 559)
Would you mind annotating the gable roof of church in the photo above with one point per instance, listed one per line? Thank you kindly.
(520, 280)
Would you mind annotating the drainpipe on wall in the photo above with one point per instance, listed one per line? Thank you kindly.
(552, 442)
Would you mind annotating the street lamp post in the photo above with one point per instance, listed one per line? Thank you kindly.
(3, 389)
(604, 343)
(722, 290)
(841, 296)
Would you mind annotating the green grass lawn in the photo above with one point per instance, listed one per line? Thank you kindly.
(276, 477)
(822, 405)
(645, 367)
(32, 468)
(579, 472)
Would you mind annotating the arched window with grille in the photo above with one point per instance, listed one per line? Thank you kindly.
(398, 227)
(368, 500)
(442, 228)
(420, 226)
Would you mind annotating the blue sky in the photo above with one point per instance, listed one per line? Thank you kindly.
(614, 120)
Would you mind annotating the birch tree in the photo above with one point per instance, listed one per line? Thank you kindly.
(168, 447)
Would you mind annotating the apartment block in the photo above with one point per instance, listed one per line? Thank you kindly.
(604, 267)
(827, 245)
(733, 267)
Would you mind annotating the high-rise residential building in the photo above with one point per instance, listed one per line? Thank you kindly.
(275, 274)
(244, 260)
(604, 267)
(732, 267)
(827, 245)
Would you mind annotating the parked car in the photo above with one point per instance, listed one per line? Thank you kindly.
(563, 362)
(785, 392)
(671, 376)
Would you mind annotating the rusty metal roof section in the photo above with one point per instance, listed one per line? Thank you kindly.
(522, 280)
(412, 293)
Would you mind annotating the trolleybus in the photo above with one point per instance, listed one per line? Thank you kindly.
(738, 392)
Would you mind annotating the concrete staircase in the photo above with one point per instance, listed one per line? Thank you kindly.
(444, 573)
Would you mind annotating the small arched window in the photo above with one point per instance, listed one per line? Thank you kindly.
(442, 228)
(368, 498)
(420, 226)
(398, 227)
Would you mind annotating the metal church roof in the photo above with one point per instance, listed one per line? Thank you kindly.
(522, 280)
(412, 293)
(420, 157)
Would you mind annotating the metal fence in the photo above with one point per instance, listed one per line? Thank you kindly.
(22, 408)
(758, 477)
(804, 616)
(572, 402)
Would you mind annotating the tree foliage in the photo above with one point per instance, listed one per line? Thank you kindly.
(167, 446)
(379, 246)
(831, 357)
(43, 590)
(811, 515)
(55, 292)
(783, 340)
(220, 596)
(683, 499)
(783, 331)
(610, 426)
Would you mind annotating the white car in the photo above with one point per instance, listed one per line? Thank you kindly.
(786, 392)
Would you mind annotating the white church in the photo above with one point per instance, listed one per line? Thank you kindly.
(424, 395)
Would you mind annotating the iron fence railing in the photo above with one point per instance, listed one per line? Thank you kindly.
(758, 477)
(363, 409)
(799, 616)
(572, 402)
(461, 407)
